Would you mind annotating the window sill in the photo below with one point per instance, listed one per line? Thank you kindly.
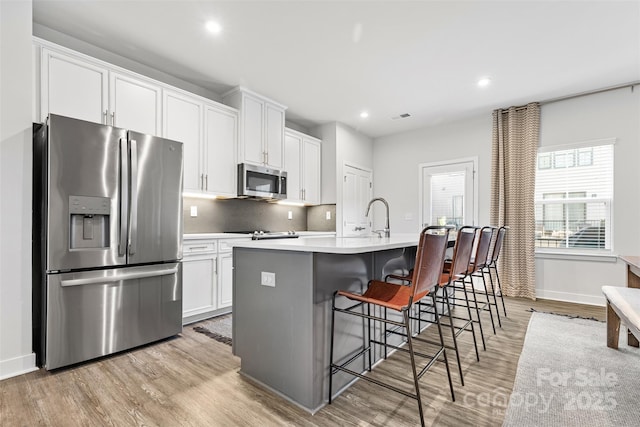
(577, 256)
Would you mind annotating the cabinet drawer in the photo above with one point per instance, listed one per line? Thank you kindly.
(199, 247)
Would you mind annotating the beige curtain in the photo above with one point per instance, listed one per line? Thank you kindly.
(513, 177)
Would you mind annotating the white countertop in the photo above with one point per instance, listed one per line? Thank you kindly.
(202, 236)
(335, 245)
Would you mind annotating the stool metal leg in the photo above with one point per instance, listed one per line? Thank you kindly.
(333, 322)
(493, 294)
(407, 326)
(444, 350)
(486, 293)
(473, 329)
(453, 335)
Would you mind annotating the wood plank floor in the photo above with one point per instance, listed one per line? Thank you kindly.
(192, 380)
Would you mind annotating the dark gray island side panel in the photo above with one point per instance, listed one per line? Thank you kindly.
(272, 326)
(282, 333)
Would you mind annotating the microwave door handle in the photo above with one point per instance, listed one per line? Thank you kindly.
(133, 212)
(124, 198)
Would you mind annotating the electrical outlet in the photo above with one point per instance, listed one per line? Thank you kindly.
(194, 211)
(268, 279)
(328, 215)
(290, 215)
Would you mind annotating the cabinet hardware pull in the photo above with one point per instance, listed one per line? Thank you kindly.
(105, 117)
(191, 248)
(113, 118)
(202, 181)
(206, 180)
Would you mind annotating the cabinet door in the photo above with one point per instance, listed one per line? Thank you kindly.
(311, 170)
(198, 284)
(183, 123)
(134, 104)
(73, 87)
(220, 141)
(274, 136)
(292, 164)
(225, 280)
(252, 130)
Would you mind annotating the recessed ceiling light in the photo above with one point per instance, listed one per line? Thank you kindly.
(484, 82)
(364, 115)
(214, 27)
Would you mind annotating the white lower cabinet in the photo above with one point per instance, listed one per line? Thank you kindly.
(207, 278)
(199, 277)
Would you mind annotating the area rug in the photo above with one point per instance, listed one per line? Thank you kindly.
(567, 376)
(218, 328)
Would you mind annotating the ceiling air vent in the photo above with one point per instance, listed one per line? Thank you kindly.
(401, 116)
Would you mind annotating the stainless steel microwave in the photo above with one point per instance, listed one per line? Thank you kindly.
(261, 182)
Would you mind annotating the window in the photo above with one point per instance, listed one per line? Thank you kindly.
(574, 196)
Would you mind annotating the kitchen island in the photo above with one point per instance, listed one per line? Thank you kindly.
(282, 291)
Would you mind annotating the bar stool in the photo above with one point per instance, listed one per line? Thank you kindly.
(399, 298)
(477, 264)
(481, 267)
(493, 265)
(455, 269)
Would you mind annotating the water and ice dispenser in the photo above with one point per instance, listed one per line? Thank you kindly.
(89, 222)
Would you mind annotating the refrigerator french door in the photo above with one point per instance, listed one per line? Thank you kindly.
(110, 227)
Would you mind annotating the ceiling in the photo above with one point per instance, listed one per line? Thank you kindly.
(329, 60)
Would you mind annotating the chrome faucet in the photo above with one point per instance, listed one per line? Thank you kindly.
(386, 230)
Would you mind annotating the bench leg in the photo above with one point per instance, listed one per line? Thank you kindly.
(631, 340)
(613, 327)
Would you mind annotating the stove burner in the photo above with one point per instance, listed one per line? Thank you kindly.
(262, 235)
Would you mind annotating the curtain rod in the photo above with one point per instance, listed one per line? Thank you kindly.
(577, 95)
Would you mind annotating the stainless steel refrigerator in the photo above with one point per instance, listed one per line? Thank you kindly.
(107, 244)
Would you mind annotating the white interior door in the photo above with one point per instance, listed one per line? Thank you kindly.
(356, 193)
(448, 193)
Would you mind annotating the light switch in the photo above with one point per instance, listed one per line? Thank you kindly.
(290, 215)
(268, 279)
(328, 215)
(194, 211)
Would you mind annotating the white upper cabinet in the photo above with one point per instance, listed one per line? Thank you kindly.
(261, 138)
(274, 135)
(293, 165)
(302, 163)
(73, 87)
(183, 122)
(220, 142)
(76, 86)
(252, 128)
(209, 134)
(134, 104)
(311, 162)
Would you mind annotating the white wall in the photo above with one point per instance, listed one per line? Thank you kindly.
(610, 114)
(341, 144)
(396, 160)
(16, 356)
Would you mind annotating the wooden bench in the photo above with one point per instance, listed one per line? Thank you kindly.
(623, 305)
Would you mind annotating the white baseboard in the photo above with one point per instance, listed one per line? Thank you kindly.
(571, 297)
(17, 366)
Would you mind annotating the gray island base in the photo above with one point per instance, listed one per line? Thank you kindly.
(282, 292)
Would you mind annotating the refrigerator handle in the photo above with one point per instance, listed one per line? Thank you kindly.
(119, 277)
(124, 197)
(133, 212)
